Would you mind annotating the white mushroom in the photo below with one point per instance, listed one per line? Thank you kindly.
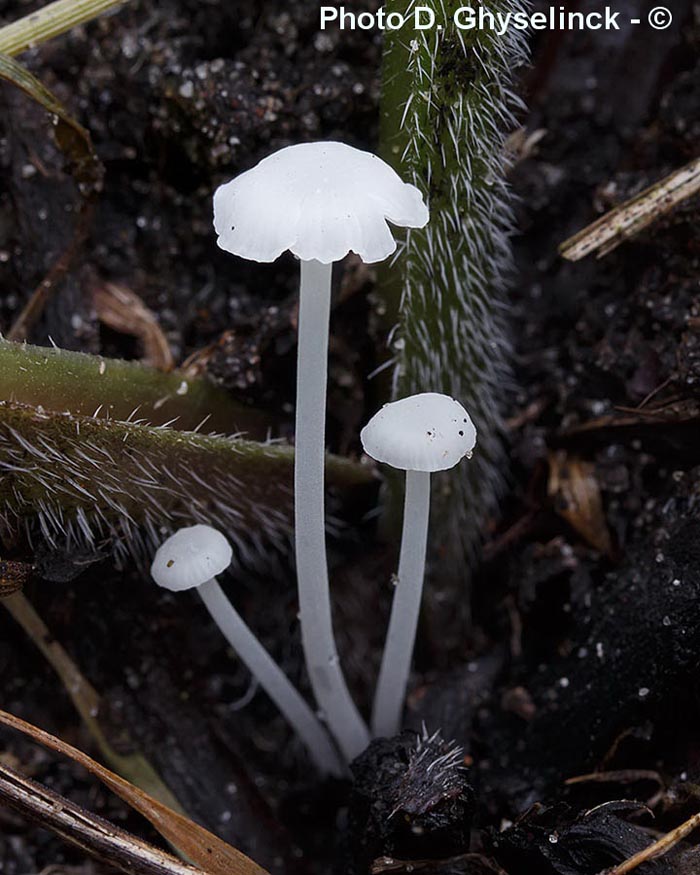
(191, 558)
(320, 201)
(419, 434)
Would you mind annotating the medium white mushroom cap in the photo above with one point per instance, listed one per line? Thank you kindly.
(190, 557)
(320, 201)
(427, 432)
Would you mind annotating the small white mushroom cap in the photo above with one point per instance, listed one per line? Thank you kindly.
(427, 432)
(318, 200)
(190, 557)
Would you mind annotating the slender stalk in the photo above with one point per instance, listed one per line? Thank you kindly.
(49, 22)
(271, 677)
(398, 651)
(322, 661)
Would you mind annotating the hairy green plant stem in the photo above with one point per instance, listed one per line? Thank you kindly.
(85, 482)
(87, 385)
(50, 21)
(446, 109)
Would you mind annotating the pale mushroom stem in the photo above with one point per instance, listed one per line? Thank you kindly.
(322, 661)
(398, 650)
(272, 679)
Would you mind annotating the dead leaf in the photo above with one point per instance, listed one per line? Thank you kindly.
(522, 144)
(123, 311)
(203, 848)
(574, 489)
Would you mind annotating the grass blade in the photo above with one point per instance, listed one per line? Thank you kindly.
(49, 22)
(203, 848)
(132, 766)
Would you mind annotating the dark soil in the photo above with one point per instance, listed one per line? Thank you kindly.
(583, 653)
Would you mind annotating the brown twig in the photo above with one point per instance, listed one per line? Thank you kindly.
(614, 777)
(654, 392)
(631, 217)
(658, 849)
(34, 307)
(624, 776)
(514, 533)
(96, 836)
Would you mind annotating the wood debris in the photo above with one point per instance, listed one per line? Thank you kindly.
(631, 217)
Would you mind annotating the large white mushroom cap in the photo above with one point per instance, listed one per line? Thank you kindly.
(320, 201)
(427, 432)
(190, 557)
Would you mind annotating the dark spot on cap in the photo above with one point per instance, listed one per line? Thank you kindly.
(171, 562)
(461, 434)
